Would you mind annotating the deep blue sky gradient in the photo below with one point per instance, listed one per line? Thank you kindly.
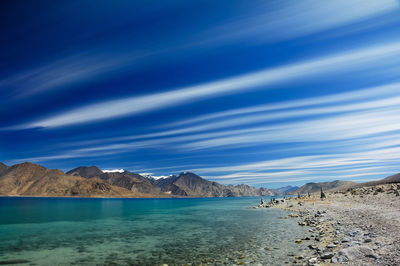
(95, 83)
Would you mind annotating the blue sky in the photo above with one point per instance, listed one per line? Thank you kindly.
(266, 93)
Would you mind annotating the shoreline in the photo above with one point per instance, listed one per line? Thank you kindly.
(101, 197)
(355, 227)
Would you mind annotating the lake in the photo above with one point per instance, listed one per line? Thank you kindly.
(93, 231)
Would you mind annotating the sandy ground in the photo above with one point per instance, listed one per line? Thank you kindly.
(358, 227)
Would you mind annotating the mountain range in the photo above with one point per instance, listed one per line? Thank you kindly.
(326, 186)
(285, 190)
(28, 179)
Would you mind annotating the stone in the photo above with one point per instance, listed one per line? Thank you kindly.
(327, 256)
(331, 246)
(345, 239)
(336, 242)
(298, 241)
(356, 252)
(353, 243)
(372, 255)
(313, 260)
(367, 240)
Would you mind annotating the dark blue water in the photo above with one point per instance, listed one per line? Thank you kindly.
(63, 231)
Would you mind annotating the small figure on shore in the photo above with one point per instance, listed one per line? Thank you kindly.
(262, 201)
(309, 194)
(322, 194)
(298, 195)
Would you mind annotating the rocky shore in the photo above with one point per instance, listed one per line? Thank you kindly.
(360, 226)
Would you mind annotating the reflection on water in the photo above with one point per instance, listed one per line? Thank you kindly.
(41, 231)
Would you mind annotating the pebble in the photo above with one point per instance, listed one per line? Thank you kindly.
(313, 260)
(345, 240)
(327, 256)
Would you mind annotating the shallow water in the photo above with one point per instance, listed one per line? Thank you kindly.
(62, 231)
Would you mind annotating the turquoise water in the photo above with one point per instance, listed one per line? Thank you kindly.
(63, 231)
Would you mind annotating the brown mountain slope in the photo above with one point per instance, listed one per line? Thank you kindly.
(3, 168)
(387, 180)
(85, 171)
(134, 182)
(189, 184)
(243, 190)
(29, 179)
(327, 186)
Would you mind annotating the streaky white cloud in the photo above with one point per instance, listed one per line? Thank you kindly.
(293, 19)
(339, 166)
(385, 96)
(266, 117)
(260, 179)
(339, 127)
(377, 92)
(377, 157)
(60, 73)
(140, 104)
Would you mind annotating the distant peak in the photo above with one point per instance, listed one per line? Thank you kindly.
(187, 173)
(151, 176)
(85, 171)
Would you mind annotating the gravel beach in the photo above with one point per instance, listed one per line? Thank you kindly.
(359, 226)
